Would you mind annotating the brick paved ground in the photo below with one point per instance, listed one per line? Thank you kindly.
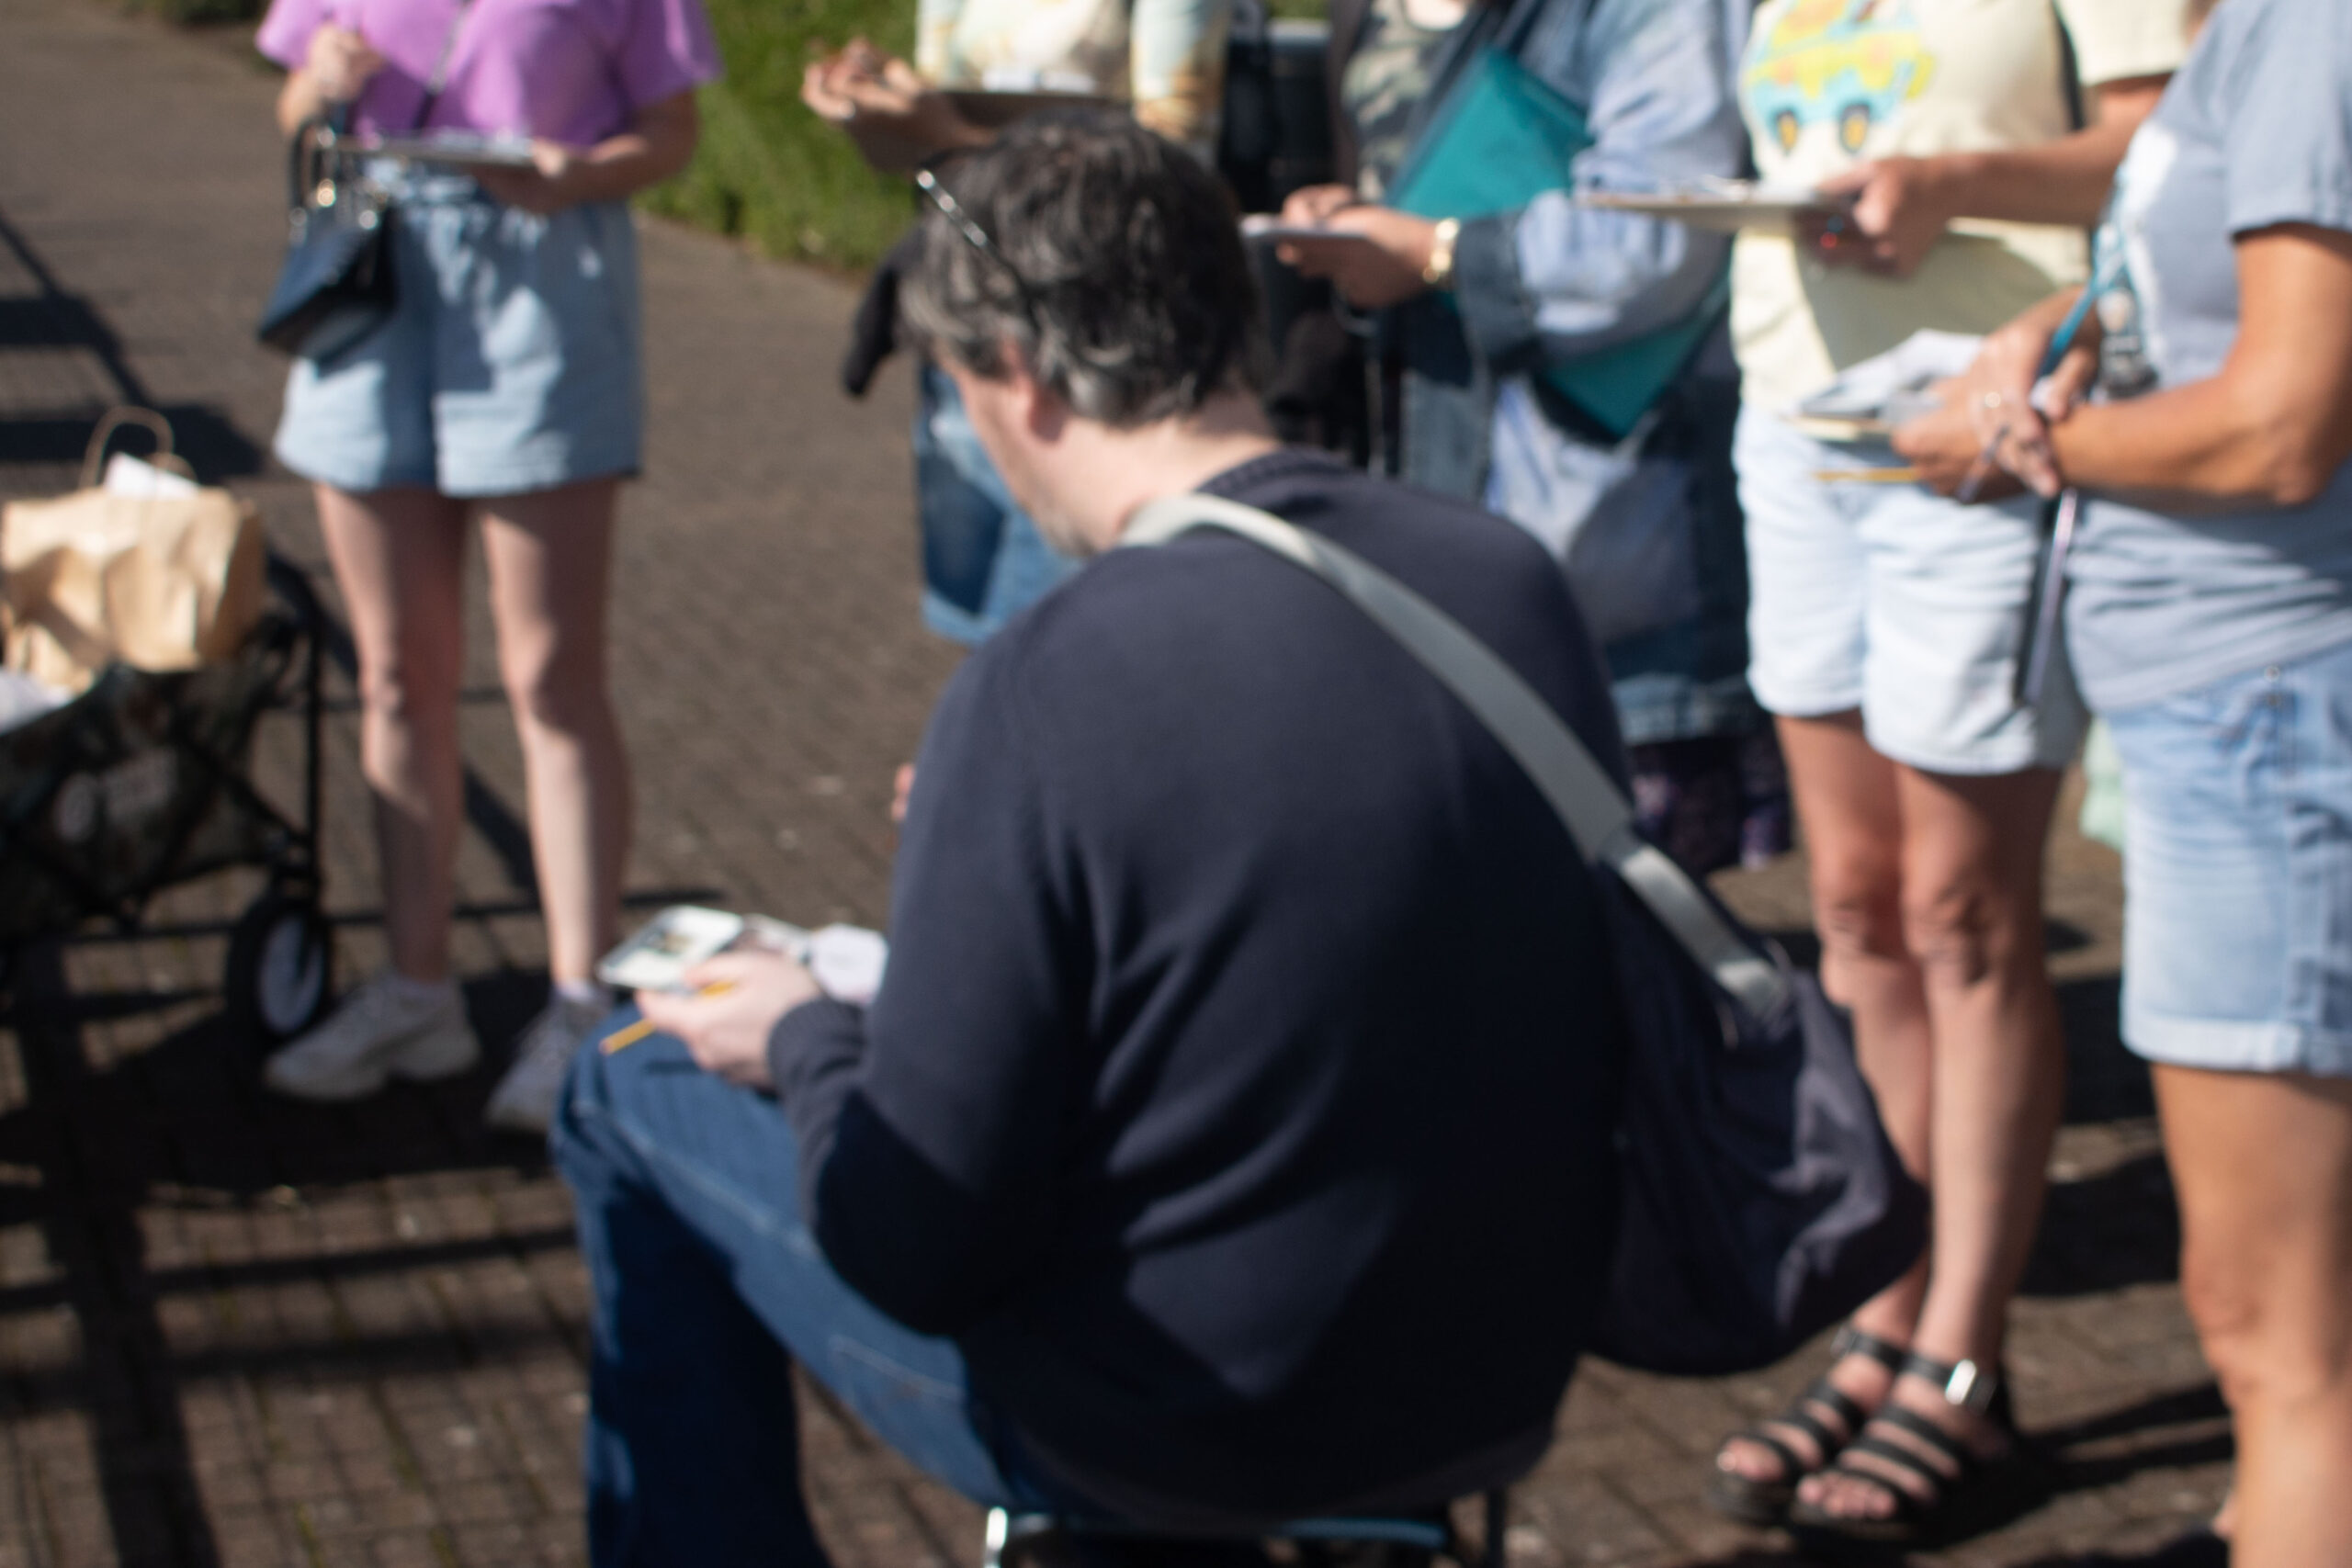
(240, 1332)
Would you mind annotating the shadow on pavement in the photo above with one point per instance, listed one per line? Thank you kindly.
(2121, 1227)
(189, 1113)
(2198, 1548)
(2169, 1431)
(57, 319)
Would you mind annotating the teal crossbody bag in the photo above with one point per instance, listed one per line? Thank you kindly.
(1499, 137)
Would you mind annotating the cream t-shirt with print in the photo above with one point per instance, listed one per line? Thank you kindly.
(1165, 56)
(1826, 83)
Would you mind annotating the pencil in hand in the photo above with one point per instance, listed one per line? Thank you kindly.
(1876, 475)
(622, 1039)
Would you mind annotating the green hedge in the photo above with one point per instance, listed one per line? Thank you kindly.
(767, 168)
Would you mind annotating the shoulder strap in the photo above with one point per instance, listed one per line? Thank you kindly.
(1598, 818)
(440, 77)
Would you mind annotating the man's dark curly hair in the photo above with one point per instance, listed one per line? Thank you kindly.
(1111, 260)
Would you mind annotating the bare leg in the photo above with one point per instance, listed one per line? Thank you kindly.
(551, 570)
(1847, 801)
(1972, 918)
(1972, 913)
(399, 558)
(2263, 1163)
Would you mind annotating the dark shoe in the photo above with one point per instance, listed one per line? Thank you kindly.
(1951, 1504)
(1756, 1502)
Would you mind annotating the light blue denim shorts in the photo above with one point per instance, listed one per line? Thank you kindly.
(2237, 869)
(510, 363)
(1890, 599)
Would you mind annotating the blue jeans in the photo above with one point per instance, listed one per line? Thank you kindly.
(708, 1286)
(983, 560)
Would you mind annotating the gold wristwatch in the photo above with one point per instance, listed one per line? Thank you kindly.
(1438, 271)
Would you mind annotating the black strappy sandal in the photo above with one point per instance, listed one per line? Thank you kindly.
(1754, 1502)
(1974, 1494)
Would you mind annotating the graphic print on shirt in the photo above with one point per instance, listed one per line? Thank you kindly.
(1847, 64)
(2130, 353)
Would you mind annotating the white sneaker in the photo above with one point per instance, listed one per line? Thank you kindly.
(380, 1031)
(525, 1100)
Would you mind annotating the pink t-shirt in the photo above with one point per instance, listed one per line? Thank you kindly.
(573, 71)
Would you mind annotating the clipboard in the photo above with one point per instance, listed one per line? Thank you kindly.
(443, 150)
(1725, 207)
(993, 110)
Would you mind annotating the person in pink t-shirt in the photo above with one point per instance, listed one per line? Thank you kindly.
(505, 382)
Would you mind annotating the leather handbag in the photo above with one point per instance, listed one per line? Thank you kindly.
(1760, 1200)
(336, 285)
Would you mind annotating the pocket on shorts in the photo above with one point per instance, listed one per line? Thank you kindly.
(2222, 739)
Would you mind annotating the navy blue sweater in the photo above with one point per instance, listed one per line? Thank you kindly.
(1240, 1092)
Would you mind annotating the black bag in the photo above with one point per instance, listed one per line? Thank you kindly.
(335, 284)
(1761, 1201)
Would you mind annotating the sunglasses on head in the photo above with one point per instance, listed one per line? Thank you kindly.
(974, 235)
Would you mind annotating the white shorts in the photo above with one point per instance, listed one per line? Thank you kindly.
(1890, 599)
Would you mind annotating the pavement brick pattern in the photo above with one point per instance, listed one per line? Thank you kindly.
(237, 1331)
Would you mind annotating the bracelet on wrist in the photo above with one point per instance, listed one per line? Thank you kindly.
(1438, 271)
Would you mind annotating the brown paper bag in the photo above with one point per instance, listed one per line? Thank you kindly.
(159, 582)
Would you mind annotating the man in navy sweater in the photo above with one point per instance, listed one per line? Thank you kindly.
(1230, 1139)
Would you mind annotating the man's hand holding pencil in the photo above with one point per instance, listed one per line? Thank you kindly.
(737, 1000)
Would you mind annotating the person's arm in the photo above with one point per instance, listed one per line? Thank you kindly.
(932, 1125)
(1992, 429)
(1903, 205)
(1556, 277)
(659, 142)
(896, 116)
(2272, 428)
(334, 69)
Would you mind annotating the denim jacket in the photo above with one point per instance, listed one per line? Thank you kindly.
(1647, 529)
(1555, 280)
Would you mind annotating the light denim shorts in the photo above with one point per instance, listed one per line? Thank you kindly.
(1891, 598)
(2237, 870)
(510, 363)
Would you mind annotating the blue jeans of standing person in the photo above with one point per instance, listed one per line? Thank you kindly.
(983, 560)
(707, 1287)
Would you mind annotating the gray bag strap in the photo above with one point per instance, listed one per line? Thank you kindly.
(1598, 817)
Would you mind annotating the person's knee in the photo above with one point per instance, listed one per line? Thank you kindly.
(583, 1121)
(1857, 909)
(2267, 1341)
(555, 690)
(1955, 927)
(415, 690)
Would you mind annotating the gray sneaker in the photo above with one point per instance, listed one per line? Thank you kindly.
(378, 1032)
(525, 1100)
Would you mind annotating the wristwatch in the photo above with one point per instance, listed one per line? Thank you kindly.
(1438, 273)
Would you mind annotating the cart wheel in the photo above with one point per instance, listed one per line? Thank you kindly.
(281, 959)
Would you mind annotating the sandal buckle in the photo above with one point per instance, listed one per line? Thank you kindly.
(1970, 1387)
